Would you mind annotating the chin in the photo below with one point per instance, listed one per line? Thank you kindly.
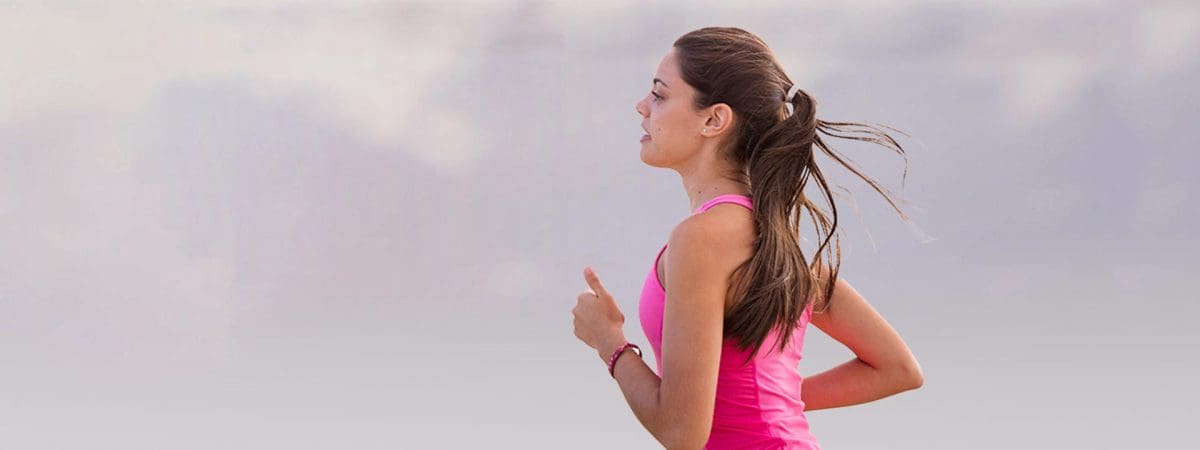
(647, 155)
(653, 157)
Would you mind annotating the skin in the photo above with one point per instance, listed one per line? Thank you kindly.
(702, 253)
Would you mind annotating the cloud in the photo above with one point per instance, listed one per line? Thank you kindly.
(1168, 35)
(367, 66)
(92, 274)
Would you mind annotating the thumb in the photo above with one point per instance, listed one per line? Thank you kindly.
(593, 281)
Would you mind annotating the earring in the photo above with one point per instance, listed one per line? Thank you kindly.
(706, 129)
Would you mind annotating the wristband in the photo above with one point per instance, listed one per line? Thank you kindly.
(612, 360)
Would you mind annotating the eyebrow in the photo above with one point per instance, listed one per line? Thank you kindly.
(656, 80)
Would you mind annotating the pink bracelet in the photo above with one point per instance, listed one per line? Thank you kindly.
(612, 360)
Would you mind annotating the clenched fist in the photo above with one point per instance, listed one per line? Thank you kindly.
(598, 320)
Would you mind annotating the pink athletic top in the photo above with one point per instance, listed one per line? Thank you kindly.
(758, 405)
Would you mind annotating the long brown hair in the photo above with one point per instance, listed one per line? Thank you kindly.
(773, 152)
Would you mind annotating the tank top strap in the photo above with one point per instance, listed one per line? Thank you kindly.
(725, 198)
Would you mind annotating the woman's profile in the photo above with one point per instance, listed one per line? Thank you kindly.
(727, 301)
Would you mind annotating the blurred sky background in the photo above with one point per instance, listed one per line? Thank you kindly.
(342, 224)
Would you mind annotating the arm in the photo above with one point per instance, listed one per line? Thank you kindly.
(883, 366)
(678, 408)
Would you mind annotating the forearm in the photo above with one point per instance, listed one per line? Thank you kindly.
(640, 386)
(852, 383)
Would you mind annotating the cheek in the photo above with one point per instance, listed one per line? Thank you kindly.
(665, 130)
(661, 125)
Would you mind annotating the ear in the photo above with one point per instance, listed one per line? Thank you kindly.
(717, 119)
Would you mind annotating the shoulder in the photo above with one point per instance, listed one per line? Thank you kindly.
(722, 236)
(724, 223)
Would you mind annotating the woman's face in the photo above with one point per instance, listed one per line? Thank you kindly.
(670, 122)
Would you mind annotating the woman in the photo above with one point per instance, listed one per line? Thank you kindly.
(727, 301)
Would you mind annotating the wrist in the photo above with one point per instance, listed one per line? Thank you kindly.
(608, 345)
(616, 355)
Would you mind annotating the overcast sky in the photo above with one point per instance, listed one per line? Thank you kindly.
(346, 224)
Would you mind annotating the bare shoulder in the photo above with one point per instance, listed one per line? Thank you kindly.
(721, 237)
(732, 224)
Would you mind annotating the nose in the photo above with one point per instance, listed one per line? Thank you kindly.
(638, 107)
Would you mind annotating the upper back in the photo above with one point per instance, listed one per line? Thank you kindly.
(740, 222)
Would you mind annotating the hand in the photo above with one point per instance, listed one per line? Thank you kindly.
(598, 320)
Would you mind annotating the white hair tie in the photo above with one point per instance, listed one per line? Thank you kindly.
(791, 93)
(787, 98)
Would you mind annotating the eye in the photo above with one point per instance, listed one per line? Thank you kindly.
(656, 96)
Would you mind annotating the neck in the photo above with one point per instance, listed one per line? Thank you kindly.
(702, 187)
(704, 177)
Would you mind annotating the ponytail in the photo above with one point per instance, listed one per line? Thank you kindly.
(777, 284)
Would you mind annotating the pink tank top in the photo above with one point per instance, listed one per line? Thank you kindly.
(758, 405)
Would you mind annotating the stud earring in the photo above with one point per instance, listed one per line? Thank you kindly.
(706, 129)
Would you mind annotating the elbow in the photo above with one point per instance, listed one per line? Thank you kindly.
(913, 376)
(688, 438)
(916, 381)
